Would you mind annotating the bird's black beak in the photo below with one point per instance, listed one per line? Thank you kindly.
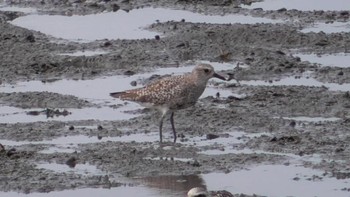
(219, 76)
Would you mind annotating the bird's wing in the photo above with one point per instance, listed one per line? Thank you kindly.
(158, 92)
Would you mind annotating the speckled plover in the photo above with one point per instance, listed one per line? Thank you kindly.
(171, 93)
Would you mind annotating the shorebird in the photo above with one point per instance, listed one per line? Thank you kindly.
(201, 192)
(172, 93)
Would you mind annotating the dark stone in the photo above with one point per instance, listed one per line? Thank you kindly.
(115, 7)
(2, 148)
(129, 72)
(107, 44)
(71, 162)
(280, 52)
(30, 38)
(11, 152)
(282, 10)
(344, 13)
(292, 123)
(322, 43)
(196, 163)
(133, 83)
(180, 45)
(338, 150)
(211, 136)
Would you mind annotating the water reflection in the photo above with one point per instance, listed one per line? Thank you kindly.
(176, 184)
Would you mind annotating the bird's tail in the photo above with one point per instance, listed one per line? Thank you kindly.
(116, 94)
(130, 95)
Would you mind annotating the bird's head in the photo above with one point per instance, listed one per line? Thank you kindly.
(206, 72)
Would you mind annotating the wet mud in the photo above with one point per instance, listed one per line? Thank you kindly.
(279, 124)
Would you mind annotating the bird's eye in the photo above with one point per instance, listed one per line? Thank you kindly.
(206, 70)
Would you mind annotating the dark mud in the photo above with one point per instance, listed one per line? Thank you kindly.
(266, 48)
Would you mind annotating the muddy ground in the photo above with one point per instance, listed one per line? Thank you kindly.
(267, 50)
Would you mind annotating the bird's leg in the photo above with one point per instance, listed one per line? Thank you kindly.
(161, 127)
(172, 125)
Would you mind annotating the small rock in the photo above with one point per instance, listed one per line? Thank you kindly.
(280, 52)
(341, 73)
(274, 139)
(129, 72)
(2, 148)
(344, 13)
(258, 9)
(11, 152)
(115, 7)
(180, 45)
(322, 43)
(338, 150)
(292, 124)
(99, 127)
(107, 44)
(33, 113)
(71, 162)
(296, 178)
(157, 37)
(133, 83)
(71, 128)
(30, 38)
(211, 136)
(181, 135)
(196, 163)
(282, 10)
(347, 94)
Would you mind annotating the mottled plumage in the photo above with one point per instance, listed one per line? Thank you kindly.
(171, 93)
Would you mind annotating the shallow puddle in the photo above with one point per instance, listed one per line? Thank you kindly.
(93, 192)
(341, 60)
(278, 180)
(178, 185)
(69, 144)
(83, 169)
(289, 157)
(302, 5)
(310, 119)
(302, 81)
(126, 25)
(266, 180)
(334, 27)
(73, 141)
(86, 53)
(58, 149)
(15, 115)
(17, 9)
(228, 139)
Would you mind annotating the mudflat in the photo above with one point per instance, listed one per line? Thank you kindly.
(60, 130)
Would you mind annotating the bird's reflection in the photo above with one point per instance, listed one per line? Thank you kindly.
(177, 184)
